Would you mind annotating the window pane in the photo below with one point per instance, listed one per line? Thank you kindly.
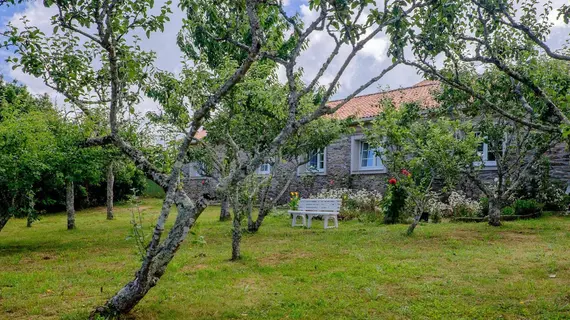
(313, 161)
(368, 156)
(316, 160)
(491, 156)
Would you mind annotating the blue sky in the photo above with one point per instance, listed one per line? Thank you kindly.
(6, 13)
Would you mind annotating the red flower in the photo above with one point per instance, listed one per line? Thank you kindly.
(331, 182)
(392, 181)
(203, 181)
(406, 172)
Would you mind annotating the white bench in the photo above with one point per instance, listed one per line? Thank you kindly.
(309, 208)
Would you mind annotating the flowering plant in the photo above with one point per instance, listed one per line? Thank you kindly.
(355, 203)
(294, 201)
(461, 206)
(436, 208)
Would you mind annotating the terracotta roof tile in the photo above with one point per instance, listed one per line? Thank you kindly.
(200, 134)
(367, 106)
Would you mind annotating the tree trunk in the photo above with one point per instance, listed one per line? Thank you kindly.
(3, 220)
(414, 224)
(236, 236)
(157, 259)
(70, 206)
(254, 227)
(494, 212)
(225, 211)
(110, 184)
(29, 220)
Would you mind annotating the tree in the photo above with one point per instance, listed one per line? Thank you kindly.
(40, 153)
(225, 209)
(512, 147)
(247, 120)
(110, 184)
(76, 163)
(223, 41)
(419, 148)
(26, 141)
(500, 35)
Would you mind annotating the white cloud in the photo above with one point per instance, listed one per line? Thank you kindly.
(367, 64)
(376, 48)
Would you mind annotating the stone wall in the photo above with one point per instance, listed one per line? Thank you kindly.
(338, 175)
(197, 187)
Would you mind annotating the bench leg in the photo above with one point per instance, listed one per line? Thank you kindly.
(294, 221)
(335, 219)
(309, 219)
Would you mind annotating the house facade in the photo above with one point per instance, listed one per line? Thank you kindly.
(350, 162)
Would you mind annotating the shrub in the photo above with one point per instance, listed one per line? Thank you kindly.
(508, 211)
(525, 207)
(394, 203)
(356, 204)
(461, 206)
(484, 206)
(539, 186)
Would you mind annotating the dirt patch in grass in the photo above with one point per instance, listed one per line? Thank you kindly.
(282, 257)
(189, 269)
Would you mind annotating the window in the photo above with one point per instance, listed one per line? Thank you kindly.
(486, 153)
(264, 168)
(364, 157)
(369, 159)
(316, 161)
(197, 169)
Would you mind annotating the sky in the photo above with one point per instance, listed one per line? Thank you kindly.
(369, 62)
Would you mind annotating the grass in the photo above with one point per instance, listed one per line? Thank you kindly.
(360, 271)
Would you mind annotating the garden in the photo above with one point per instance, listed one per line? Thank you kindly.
(160, 111)
(362, 270)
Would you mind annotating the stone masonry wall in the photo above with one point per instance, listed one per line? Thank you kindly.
(338, 175)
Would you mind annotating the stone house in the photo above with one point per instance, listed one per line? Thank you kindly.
(350, 162)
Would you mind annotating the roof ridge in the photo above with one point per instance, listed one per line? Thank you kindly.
(388, 91)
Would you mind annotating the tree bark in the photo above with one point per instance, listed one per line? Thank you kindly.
(414, 224)
(494, 212)
(254, 226)
(110, 184)
(225, 210)
(156, 261)
(3, 220)
(70, 205)
(29, 220)
(236, 236)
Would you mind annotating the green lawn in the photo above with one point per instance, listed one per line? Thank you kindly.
(360, 271)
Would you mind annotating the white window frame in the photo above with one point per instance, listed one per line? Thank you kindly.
(264, 168)
(306, 169)
(485, 153)
(378, 165)
(357, 143)
(320, 156)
